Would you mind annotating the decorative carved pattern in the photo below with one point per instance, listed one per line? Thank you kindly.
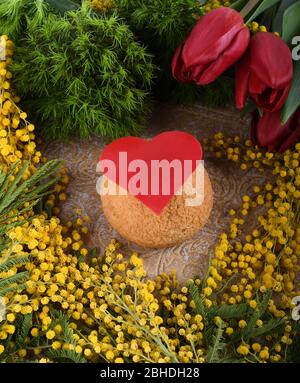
(229, 185)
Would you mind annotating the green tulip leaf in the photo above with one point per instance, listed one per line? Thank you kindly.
(291, 22)
(62, 6)
(278, 19)
(250, 107)
(293, 100)
(263, 6)
(239, 4)
(261, 112)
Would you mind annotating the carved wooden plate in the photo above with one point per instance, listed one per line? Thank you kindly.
(229, 185)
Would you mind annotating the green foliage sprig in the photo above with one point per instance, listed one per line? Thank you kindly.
(15, 14)
(162, 25)
(83, 73)
(14, 195)
(221, 349)
(17, 197)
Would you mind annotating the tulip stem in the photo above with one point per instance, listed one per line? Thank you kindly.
(248, 7)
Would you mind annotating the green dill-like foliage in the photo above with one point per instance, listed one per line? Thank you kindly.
(219, 93)
(62, 6)
(162, 25)
(83, 74)
(14, 16)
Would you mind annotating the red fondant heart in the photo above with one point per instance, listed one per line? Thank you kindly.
(174, 145)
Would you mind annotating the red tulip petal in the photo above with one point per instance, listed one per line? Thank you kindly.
(201, 53)
(271, 100)
(291, 140)
(196, 73)
(256, 86)
(227, 58)
(294, 137)
(220, 30)
(211, 33)
(271, 60)
(242, 80)
(271, 71)
(178, 69)
(270, 132)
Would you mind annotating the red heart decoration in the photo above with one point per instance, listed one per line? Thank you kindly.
(174, 145)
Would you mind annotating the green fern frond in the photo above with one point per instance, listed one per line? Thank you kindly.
(13, 289)
(65, 356)
(204, 279)
(23, 325)
(216, 345)
(227, 312)
(17, 278)
(60, 318)
(258, 313)
(7, 226)
(12, 261)
(14, 195)
(195, 295)
(5, 178)
(228, 283)
(267, 328)
(251, 330)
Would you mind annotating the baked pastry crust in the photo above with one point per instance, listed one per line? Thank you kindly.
(178, 222)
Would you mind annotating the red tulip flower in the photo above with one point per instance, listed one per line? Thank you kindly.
(265, 73)
(268, 131)
(216, 42)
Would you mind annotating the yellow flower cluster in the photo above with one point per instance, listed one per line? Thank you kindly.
(115, 313)
(255, 27)
(268, 256)
(111, 297)
(103, 5)
(213, 4)
(16, 134)
(17, 138)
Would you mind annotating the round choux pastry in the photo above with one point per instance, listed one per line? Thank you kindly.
(177, 222)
